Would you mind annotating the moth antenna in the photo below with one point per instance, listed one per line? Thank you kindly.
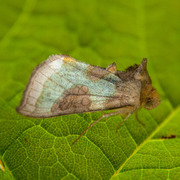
(139, 119)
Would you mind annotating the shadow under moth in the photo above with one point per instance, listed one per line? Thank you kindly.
(62, 85)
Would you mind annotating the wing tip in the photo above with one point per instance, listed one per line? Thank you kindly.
(20, 110)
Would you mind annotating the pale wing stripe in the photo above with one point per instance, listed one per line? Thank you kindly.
(52, 90)
(49, 78)
(34, 93)
(35, 100)
(56, 64)
(64, 78)
(40, 78)
(37, 86)
(53, 81)
(31, 100)
(29, 107)
(35, 90)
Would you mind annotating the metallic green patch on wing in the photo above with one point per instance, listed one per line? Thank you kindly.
(72, 74)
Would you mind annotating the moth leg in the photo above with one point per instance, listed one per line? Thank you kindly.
(123, 121)
(103, 116)
(139, 119)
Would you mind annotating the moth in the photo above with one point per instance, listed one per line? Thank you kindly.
(62, 85)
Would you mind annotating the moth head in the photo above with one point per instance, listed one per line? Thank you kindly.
(152, 100)
(149, 96)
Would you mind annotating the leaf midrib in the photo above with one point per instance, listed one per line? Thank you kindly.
(173, 113)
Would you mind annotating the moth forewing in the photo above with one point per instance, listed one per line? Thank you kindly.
(62, 85)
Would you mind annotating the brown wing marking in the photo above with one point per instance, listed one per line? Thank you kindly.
(96, 73)
(74, 100)
(77, 100)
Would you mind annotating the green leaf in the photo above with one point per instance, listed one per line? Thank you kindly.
(98, 33)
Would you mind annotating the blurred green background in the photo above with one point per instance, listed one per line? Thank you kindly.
(98, 33)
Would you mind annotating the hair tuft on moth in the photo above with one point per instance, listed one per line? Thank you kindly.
(149, 98)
